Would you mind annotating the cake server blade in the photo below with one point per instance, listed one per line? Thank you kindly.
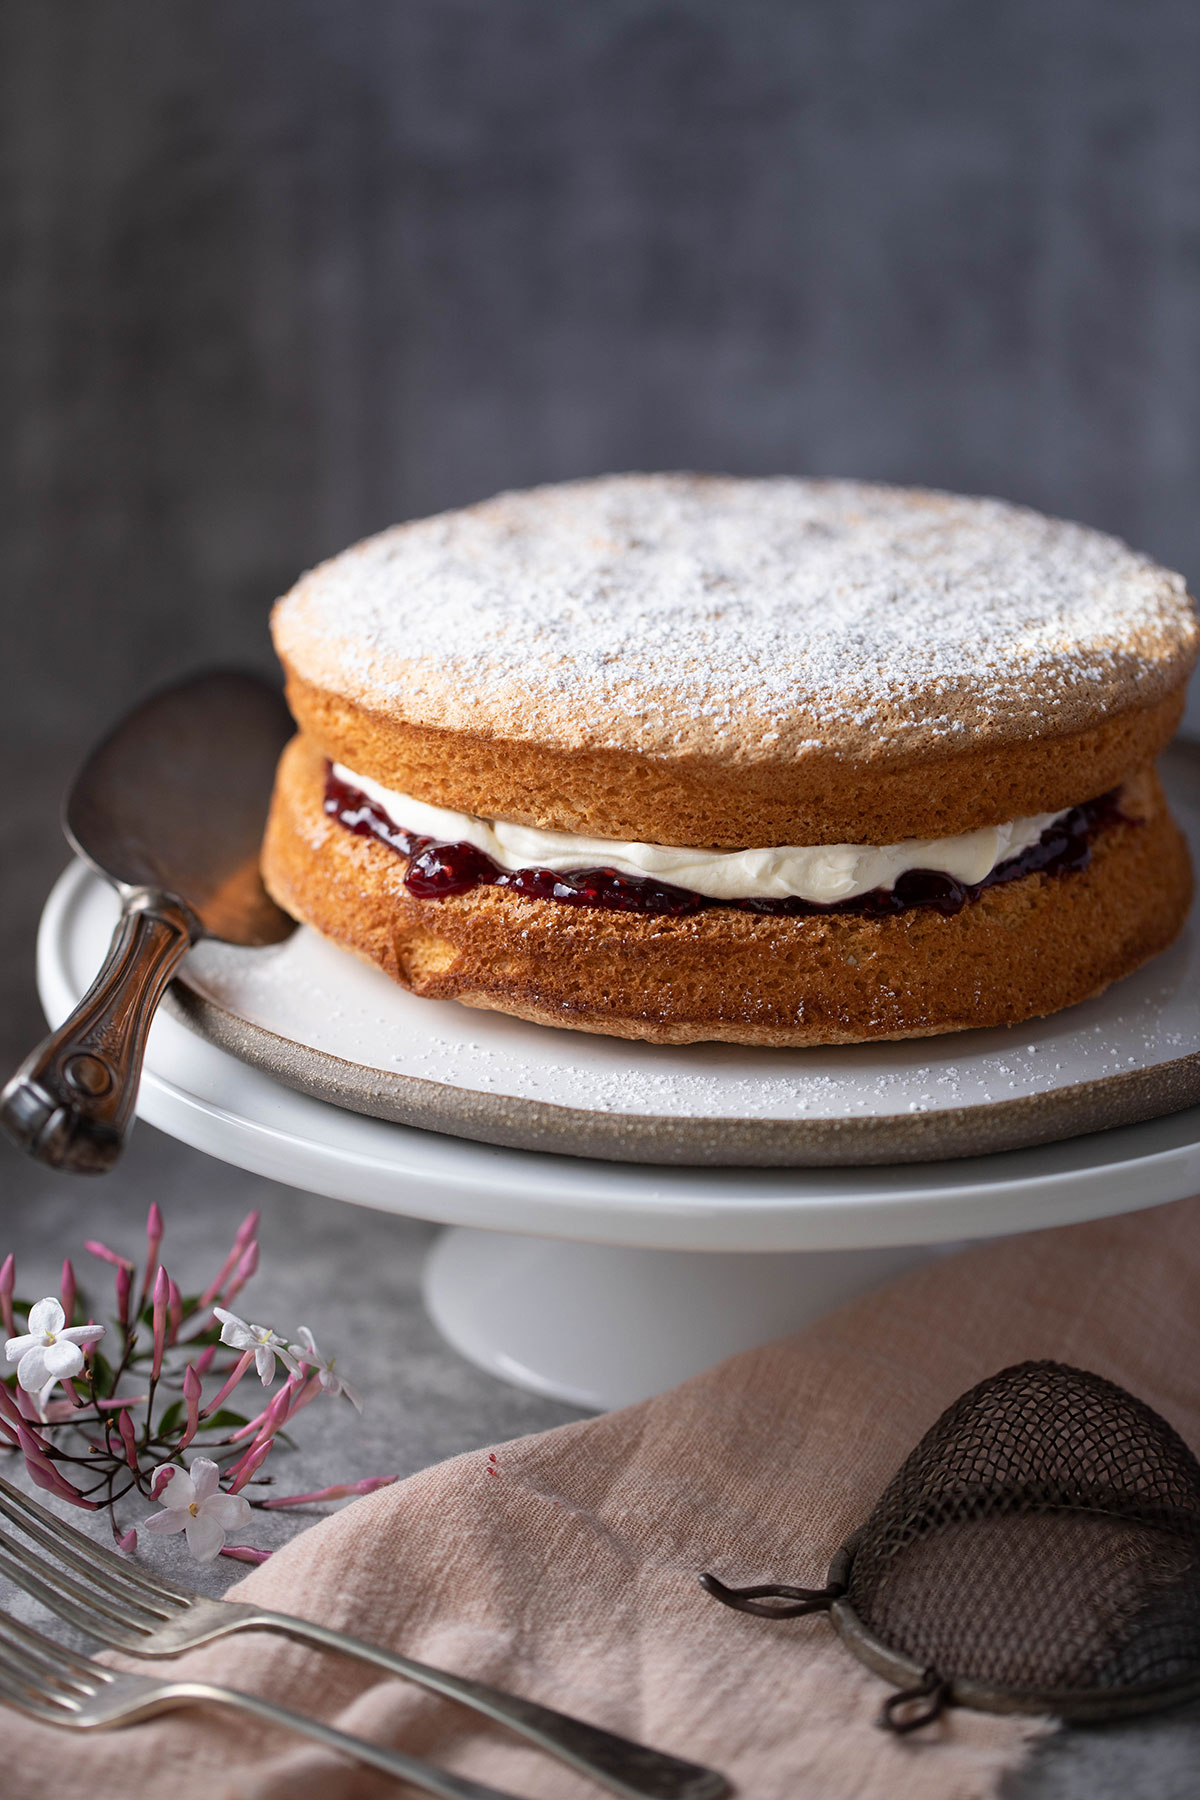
(171, 808)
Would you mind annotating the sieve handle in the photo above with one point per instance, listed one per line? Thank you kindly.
(793, 1602)
(933, 1688)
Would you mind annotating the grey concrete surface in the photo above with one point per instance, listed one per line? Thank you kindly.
(275, 275)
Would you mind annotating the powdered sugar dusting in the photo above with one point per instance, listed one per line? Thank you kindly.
(673, 614)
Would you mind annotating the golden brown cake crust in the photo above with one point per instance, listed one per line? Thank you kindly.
(701, 803)
(711, 662)
(1021, 950)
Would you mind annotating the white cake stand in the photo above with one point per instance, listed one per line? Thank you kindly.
(601, 1282)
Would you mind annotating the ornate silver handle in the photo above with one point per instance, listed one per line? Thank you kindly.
(71, 1101)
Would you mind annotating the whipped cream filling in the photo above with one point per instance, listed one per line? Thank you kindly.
(821, 874)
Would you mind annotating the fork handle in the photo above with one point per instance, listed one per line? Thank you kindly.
(627, 1768)
(412, 1769)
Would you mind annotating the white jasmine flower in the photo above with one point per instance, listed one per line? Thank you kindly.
(306, 1352)
(265, 1343)
(196, 1505)
(51, 1350)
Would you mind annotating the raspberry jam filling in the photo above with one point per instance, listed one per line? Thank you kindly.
(437, 871)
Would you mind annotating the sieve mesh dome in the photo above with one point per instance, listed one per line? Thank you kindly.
(1039, 1550)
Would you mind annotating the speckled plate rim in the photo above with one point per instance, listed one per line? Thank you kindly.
(209, 1099)
(1128, 1097)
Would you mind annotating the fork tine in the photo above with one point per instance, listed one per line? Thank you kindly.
(20, 1672)
(19, 1642)
(42, 1678)
(54, 1709)
(59, 1594)
(84, 1554)
(53, 1684)
(125, 1604)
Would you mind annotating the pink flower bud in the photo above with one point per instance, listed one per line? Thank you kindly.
(128, 1440)
(213, 1290)
(68, 1291)
(154, 1237)
(205, 1360)
(128, 1543)
(253, 1460)
(191, 1393)
(162, 1478)
(246, 1553)
(283, 1405)
(239, 1369)
(9, 1407)
(341, 1491)
(8, 1275)
(44, 1475)
(96, 1248)
(305, 1397)
(245, 1233)
(273, 1414)
(252, 1427)
(161, 1297)
(42, 1471)
(27, 1404)
(124, 1289)
(247, 1266)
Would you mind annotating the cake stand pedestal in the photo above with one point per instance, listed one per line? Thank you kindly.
(600, 1282)
(600, 1324)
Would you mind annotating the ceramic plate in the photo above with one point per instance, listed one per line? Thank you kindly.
(210, 1099)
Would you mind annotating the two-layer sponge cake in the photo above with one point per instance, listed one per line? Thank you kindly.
(775, 762)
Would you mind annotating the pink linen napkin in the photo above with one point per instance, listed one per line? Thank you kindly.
(564, 1565)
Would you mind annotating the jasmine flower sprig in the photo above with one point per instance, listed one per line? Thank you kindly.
(95, 1444)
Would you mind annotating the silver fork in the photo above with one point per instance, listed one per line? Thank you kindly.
(54, 1685)
(145, 1615)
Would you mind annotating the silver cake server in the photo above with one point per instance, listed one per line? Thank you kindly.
(171, 809)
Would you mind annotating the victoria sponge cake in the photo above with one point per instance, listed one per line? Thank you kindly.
(777, 762)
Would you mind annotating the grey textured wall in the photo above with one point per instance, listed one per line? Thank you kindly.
(276, 272)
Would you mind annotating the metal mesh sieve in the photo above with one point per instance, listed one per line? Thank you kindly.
(1039, 1551)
